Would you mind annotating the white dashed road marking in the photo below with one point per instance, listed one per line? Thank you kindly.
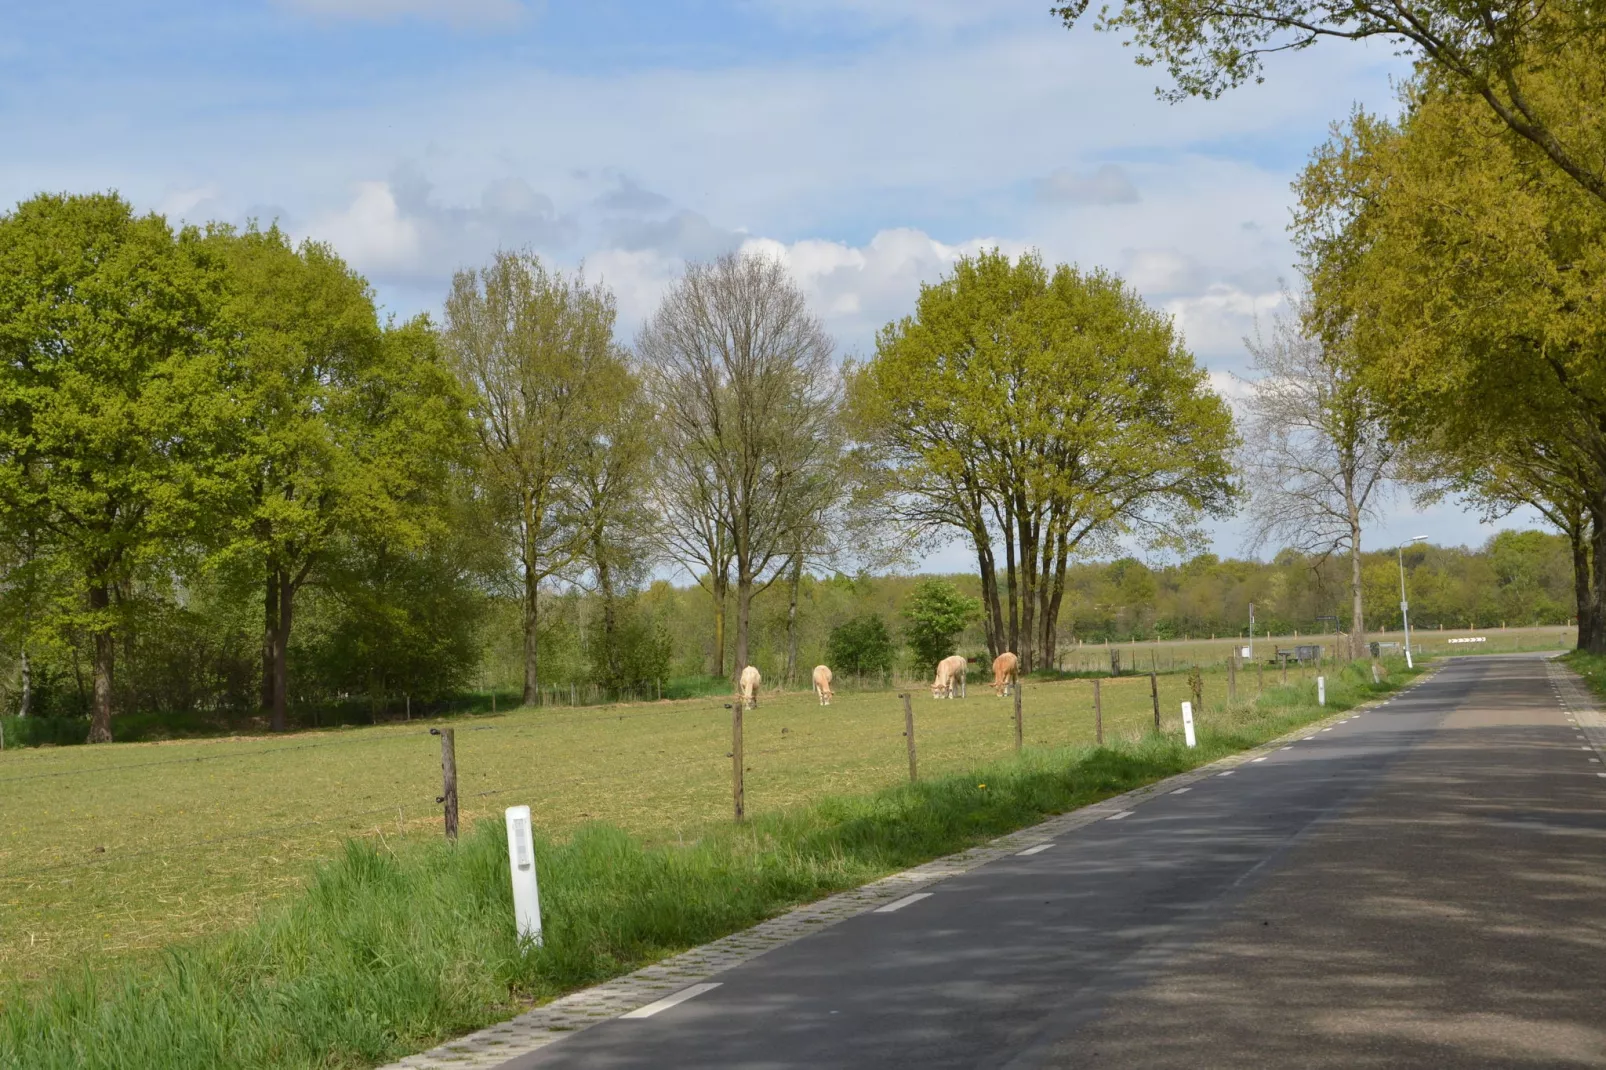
(669, 1001)
(1184, 791)
(1039, 849)
(1119, 816)
(899, 904)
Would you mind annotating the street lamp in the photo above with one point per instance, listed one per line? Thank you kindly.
(1405, 607)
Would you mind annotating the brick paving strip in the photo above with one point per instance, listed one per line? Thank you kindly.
(1578, 700)
(553, 1021)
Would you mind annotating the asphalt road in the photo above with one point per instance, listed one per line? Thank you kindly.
(1422, 885)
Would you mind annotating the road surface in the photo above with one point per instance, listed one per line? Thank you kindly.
(1421, 885)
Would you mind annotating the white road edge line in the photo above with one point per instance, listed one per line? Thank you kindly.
(1184, 791)
(1227, 773)
(1039, 849)
(1119, 816)
(669, 1001)
(898, 904)
(1260, 759)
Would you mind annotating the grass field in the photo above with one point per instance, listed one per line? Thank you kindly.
(398, 941)
(115, 849)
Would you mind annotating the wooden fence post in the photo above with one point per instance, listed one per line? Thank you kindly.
(1260, 677)
(1154, 696)
(909, 734)
(1232, 678)
(448, 778)
(1098, 714)
(736, 757)
(1196, 685)
(1019, 728)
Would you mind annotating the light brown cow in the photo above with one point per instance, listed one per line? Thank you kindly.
(1006, 671)
(748, 686)
(822, 684)
(950, 674)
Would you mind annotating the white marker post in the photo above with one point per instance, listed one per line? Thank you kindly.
(521, 861)
(1187, 723)
(1321, 691)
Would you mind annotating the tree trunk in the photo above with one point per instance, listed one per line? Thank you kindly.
(1357, 610)
(720, 589)
(100, 719)
(270, 628)
(610, 621)
(1011, 581)
(1053, 598)
(1030, 528)
(281, 651)
(994, 614)
(1596, 643)
(532, 653)
(744, 612)
(1578, 536)
(794, 582)
(27, 686)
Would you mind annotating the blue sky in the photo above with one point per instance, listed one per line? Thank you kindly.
(867, 142)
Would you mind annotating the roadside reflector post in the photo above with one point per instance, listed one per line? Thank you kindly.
(1321, 691)
(1187, 723)
(521, 862)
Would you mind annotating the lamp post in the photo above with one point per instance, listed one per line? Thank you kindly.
(1405, 607)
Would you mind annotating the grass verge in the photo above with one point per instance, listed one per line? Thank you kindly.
(1592, 667)
(392, 949)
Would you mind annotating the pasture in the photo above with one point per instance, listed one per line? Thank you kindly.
(109, 851)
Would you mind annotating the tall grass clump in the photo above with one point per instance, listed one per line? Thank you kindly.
(392, 948)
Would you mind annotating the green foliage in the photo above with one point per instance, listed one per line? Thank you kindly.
(1047, 408)
(630, 651)
(933, 617)
(861, 645)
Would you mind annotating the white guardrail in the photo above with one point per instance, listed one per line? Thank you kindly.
(1474, 639)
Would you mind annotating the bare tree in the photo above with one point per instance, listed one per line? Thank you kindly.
(747, 397)
(1316, 459)
(530, 344)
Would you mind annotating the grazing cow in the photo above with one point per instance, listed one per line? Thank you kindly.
(822, 684)
(1006, 671)
(950, 671)
(749, 687)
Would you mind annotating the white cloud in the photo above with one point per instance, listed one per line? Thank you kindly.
(858, 289)
(454, 11)
(371, 232)
(1109, 184)
(1219, 319)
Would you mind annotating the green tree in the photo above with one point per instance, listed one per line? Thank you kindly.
(1499, 53)
(532, 346)
(933, 617)
(105, 377)
(861, 645)
(1463, 269)
(1051, 411)
(337, 426)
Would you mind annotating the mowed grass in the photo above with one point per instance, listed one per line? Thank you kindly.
(393, 946)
